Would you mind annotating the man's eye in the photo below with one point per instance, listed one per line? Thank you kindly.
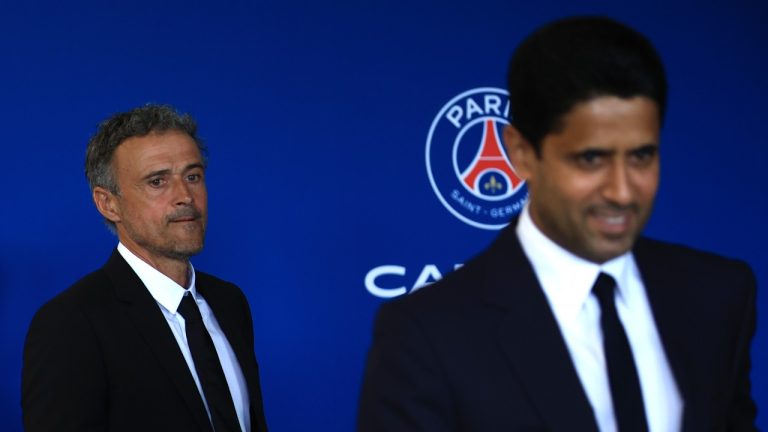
(589, 158)
(156, 182)
(194, 178)
(644, 155)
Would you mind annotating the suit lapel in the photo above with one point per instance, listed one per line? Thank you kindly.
(143, 311)
(667, 295)
(530, 338)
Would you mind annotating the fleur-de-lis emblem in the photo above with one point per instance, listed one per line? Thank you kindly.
(493, 185)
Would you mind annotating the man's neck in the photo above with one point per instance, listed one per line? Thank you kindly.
(176, 269)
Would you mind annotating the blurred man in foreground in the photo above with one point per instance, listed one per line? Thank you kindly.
(570, 320)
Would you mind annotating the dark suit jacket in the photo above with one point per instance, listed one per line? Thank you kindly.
(101, 357)
(480, 350)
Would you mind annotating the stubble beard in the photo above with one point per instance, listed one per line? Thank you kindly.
(163, 244)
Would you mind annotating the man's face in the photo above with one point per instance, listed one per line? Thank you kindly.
(592, 186)
(162, 205)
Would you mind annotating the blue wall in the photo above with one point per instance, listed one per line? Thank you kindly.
(317, 115)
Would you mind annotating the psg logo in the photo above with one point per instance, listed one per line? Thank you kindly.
(466, 162)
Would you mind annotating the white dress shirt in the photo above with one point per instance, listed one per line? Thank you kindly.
(168, 295)
(567, 281)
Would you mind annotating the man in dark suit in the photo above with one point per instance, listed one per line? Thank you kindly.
(570, 321)
(145, 343)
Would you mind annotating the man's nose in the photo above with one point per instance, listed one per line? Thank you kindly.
(617, 188)
(182, 192)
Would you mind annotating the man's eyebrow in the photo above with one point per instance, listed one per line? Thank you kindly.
(592, 150)
(195, 166)
(649, 146)
(156, 173)
(167, 171)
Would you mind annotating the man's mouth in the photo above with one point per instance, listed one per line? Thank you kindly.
(613, 222)
(188, 215)
(183, 220)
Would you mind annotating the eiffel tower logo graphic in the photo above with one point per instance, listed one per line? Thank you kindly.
(466, 164)
(490, 174)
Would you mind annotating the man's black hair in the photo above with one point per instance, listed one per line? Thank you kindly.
(575, 60)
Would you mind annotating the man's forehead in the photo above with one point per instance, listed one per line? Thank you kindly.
(610, 115)
(170, 150)
(590, 102)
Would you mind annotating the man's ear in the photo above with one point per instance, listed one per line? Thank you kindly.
(106, 204)
(520, 152)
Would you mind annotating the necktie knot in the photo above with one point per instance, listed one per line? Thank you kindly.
(604, 289)
(188, 308)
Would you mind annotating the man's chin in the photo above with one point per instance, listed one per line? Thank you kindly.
(610, 248)
(184, 251)
(192, 251)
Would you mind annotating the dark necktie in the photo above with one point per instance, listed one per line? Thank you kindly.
(625, 386)
(208, 367)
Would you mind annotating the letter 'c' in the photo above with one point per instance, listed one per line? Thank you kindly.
(374, 273)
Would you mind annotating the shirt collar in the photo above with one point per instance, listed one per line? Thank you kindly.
(162, 288)
(567, 279)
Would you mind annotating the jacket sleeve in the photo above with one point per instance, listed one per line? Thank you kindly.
(258, 419)
(63, 378)
(403, 386)
(743, 410)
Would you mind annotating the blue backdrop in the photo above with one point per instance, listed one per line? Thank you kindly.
(317, 116)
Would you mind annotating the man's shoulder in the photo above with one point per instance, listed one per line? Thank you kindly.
(682, 257)
(477, 281)
(458, 295)
(207, 282)
(91, 288)
(215, 289)
(706, 277)
(209, 279)
(90, 295)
